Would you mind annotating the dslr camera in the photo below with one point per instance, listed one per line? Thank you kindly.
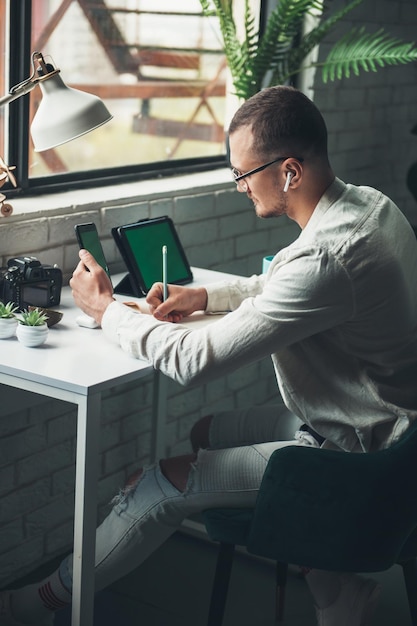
(26, 282)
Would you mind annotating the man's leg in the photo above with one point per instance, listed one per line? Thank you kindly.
(149, 509)
(155, 501)
(200, 434)
(241, 427)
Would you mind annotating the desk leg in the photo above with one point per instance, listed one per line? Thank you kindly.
(159, 416)
(85, 516)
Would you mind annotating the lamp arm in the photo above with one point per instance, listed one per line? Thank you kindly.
(22, 89)
(46, 71)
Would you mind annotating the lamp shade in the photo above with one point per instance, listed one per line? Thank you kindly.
(64, 114)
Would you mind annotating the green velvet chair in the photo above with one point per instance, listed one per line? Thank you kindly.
(329, 510)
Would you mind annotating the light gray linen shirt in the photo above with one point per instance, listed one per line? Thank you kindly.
(337, 311)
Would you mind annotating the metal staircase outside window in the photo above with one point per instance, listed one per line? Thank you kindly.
(158, 66)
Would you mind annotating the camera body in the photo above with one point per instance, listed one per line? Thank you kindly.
(26, 282)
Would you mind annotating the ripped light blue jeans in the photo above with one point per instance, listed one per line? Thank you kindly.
(228, 474)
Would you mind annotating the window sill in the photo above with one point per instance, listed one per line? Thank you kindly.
(31, 207)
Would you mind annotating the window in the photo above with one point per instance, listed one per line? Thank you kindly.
(157, 65)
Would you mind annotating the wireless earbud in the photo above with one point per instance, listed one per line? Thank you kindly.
(287, 182)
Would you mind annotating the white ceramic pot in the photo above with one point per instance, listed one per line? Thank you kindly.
(7, 327)
(32, 336)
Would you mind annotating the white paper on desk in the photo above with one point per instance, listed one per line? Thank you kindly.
(195, 320)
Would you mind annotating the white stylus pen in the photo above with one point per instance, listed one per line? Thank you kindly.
(164, 273)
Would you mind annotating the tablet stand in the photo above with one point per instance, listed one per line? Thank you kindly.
(127, 287)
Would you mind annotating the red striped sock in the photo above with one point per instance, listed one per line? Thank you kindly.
(49, 598)
(36, 602)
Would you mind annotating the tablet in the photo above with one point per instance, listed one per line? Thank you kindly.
(140, 245)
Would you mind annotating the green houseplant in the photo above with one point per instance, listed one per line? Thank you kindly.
(8, 320)
(32, 329)
(8, 310)
(257, 60)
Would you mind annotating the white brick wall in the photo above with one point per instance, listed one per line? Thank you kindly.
(369, 120)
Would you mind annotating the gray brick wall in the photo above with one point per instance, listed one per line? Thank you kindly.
(370, 116)
(369, 120)
(219, 230)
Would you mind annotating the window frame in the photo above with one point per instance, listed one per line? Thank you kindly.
(17, 135)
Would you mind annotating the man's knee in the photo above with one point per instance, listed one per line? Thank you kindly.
(200, 433)
(177, 470)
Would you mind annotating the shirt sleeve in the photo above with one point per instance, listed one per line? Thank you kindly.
(229, 295)
(300, 298)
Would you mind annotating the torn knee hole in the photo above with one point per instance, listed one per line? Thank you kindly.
(177, 470)
(129, 487)
(134, 478)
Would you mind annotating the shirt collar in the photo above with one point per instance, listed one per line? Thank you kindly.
(330, 196)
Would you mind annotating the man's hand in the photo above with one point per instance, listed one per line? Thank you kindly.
(91, 287)
(181, 301)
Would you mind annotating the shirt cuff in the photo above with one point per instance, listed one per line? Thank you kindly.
(217, 297)
(115, 314)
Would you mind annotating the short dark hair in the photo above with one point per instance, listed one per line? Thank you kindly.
(284, 120)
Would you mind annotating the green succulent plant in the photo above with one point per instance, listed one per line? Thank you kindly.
(260, 59)
(8, 310)
(33, 317)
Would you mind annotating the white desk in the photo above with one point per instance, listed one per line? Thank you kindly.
(76, 365)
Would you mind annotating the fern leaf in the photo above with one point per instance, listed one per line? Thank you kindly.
(313, 38)
(279, 52)
(238, 53)
(284, 25)
(358, 51)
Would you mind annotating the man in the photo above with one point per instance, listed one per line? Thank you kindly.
(337, 313)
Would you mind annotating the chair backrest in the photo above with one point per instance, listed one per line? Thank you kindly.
(338, 510)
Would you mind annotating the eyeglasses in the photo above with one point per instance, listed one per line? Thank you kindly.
(239, 178)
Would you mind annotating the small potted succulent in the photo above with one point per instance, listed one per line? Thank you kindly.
(32, 329)
(8, 320)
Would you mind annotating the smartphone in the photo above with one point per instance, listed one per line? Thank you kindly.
(87, 237)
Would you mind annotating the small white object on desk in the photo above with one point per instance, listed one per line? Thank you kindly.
(86, 321)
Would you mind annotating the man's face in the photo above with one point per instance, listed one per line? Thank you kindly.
(264, 188)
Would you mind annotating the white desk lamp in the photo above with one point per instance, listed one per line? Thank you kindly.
(64, 113)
